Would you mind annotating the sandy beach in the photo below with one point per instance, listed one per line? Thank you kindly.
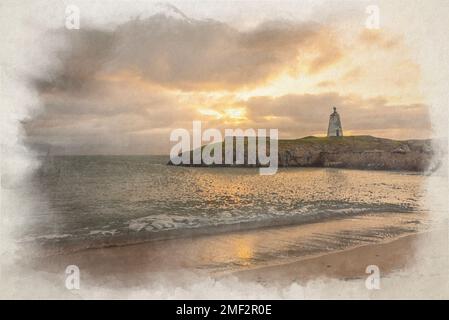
(334, 249)
(344, 265)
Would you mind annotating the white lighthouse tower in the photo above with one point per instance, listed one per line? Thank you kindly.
(334, 129)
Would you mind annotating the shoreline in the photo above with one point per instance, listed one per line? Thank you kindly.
(79, 245)
(277, 254)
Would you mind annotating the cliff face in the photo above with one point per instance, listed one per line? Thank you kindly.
(357, 152)
(361, 152)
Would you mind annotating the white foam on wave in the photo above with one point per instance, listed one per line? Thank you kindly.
(45, 237)
(103, 232)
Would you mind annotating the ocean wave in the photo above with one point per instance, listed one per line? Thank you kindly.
(164, 226)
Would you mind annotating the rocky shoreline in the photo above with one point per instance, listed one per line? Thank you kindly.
(354, 152)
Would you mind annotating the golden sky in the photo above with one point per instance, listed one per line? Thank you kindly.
(122, 89)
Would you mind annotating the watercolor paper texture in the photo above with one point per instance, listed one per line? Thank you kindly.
(191, 149)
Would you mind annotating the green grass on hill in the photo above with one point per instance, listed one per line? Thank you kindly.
(354, 143)
(358, 142)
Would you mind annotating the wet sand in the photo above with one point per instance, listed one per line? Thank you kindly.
(349, 264)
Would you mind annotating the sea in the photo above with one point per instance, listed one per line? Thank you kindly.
(83, 202)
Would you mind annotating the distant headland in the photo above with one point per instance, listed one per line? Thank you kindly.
(355, 152)
(339, 151)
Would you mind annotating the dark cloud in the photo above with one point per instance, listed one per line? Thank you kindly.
(188, 54)
(84, 53)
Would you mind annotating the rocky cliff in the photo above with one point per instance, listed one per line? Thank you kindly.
(358, 152)
(361, 152)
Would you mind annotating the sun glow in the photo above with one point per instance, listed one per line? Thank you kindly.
(211, 112)
(235, 113)
(229, 114)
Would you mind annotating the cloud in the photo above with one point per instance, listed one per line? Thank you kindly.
(122, 90)
(116, 121)
(114, 128)
(306, 114)
(376, 38)
(189, 54)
